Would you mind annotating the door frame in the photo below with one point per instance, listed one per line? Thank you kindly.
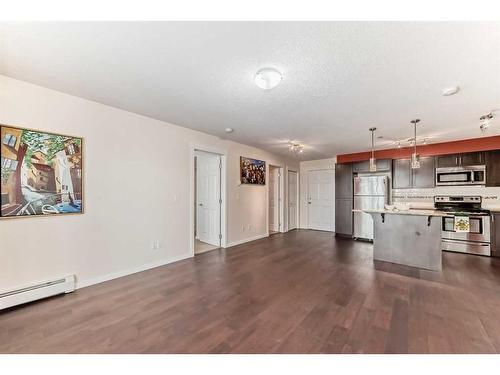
(297, 203)
(192, 200)
(307, 194)
(281, 198)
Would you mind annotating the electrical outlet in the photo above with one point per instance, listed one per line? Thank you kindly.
(155, 244)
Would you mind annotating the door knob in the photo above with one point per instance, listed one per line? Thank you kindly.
(200, 204)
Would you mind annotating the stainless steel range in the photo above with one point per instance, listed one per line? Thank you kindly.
(477, 239)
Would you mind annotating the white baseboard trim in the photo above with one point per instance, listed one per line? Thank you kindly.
(100, 279)
(260, 236)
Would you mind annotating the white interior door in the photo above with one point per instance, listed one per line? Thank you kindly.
(274, 199)
(321, 194)
(208, 198)
(292, 200)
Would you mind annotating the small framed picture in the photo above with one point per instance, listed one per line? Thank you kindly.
(252, 171)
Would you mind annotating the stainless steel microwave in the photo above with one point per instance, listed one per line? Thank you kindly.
(471, 175)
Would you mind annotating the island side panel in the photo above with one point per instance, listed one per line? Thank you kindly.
(408, 240)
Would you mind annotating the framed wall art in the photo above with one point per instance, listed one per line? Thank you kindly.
(41, 173)
(252, 171)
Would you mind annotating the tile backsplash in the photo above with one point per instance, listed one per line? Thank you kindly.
(424, 198)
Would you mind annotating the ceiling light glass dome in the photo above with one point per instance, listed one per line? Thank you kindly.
(268, 78)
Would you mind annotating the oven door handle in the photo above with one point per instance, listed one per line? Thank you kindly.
(467, 242)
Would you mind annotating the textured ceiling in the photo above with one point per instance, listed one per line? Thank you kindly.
(340, 78)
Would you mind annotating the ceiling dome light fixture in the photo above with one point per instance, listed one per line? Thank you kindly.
(228, 130)
(450, 91)
(268, 78)
(373, 162)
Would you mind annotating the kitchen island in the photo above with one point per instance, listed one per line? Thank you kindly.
(411, 237)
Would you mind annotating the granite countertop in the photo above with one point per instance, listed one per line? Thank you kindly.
(413, 212)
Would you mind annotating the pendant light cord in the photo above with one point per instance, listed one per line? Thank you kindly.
(373, 141)
(415, 138)
(373, 151)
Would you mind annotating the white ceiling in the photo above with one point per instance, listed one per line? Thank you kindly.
(340, 78)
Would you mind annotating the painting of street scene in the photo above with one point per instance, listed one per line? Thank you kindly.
(252, 171)
(41, 173)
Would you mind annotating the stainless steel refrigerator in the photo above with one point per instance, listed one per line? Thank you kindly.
(370, 192)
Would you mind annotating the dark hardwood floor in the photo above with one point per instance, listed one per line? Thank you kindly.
(301, 292)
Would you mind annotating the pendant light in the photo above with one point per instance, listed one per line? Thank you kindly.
(415, 162)
(373, 163)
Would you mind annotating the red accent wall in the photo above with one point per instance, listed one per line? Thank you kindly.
(466, 145)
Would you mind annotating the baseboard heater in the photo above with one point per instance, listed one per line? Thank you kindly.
(36, 292)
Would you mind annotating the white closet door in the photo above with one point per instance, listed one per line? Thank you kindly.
(292, 200)
(321, 209)
(274, 200)
(207, 198)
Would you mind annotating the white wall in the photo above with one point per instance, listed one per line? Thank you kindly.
(136, 189)
(305, 167)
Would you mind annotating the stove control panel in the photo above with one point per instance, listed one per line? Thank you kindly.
(457, 199)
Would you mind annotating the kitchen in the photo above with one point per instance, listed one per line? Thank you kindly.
(433, 198)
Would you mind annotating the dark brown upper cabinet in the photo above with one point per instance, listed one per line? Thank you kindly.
(460, 160)
(446, 161)
(493, 168)
(401, 174)
(403, 177)
(424, 177)
(472, 158)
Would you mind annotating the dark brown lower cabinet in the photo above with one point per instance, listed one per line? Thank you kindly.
(343, 217)
(495, 235)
